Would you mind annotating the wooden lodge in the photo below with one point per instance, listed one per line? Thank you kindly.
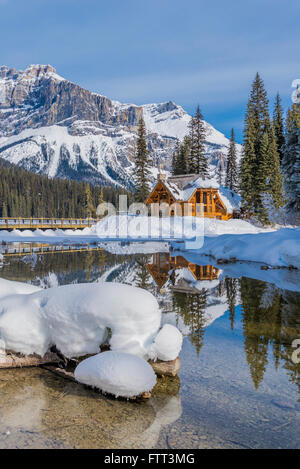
(189, 194)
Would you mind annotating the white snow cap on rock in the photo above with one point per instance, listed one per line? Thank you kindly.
(75, 318)
(117, 373)
(167, 344)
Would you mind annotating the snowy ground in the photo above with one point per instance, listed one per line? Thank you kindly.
(277, 249)
(138, 228)
(222, 239)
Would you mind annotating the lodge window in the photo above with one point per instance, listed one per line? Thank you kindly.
(198, 197)
(205, 197)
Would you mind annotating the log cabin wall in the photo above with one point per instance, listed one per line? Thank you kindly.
(213, 206)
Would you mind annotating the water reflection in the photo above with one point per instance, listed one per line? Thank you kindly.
(193, 295)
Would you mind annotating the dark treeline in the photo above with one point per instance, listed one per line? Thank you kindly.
(25, 194)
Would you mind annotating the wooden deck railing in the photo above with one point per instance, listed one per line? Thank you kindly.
(20, 223)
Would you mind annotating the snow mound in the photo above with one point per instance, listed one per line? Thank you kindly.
(15, 288)
(120, 374)
(76, 318)
(167, 344)
(277, 248)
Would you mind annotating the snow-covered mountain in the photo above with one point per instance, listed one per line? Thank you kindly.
(52, 126)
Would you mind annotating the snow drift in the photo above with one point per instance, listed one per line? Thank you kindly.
(278, 248)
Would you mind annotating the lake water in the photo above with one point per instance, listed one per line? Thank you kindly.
(237, 388)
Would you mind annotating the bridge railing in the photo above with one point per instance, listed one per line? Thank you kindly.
(55, 223)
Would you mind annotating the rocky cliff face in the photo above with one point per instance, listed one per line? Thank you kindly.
(52, 126)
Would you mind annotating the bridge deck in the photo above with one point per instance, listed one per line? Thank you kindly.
(20, 223)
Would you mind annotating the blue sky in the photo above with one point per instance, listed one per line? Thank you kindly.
(192, 52)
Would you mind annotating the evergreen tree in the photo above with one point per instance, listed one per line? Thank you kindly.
(181, 161)
(231, 169)
(142, 165)
(89, 207)
(261, 181)
(278, 125)
(257, 160)
(197, 160)
(291, 161)
(275, 176)
(174, 161)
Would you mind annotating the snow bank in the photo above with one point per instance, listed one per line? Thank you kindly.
(137, 227)
(75, 318)
(8, 287)
(278, 248)
(120, 374)
(167, 344)
(126, 226)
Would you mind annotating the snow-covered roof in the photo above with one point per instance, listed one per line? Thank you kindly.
(182, 188)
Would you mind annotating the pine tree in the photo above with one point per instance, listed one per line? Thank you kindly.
(254, 172)
(261, 180)
(278, 125)
(197, 160)
(275, 176)
(174, 161)
(89, 207)
(231, 169)
(291, 161)
(248, 163)
(142, 165)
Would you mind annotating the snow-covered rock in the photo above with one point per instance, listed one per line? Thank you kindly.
(167, 344)
(120, 374)
(75, 318)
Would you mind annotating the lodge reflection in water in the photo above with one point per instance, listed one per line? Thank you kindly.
(163, 267)
(270, 316)
(265, 318)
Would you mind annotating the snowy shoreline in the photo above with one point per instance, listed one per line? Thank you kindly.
(274, 249)
(232, 239)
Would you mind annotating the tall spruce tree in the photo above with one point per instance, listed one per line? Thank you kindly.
(275, 177)
(257, 160)
(291, 161)
(197, 160)
(279, 126)
(142, 165)
(89, 206)
(231, 169)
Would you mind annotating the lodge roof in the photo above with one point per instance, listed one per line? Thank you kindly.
(183, 186)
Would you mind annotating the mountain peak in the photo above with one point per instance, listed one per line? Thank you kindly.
(52, 126)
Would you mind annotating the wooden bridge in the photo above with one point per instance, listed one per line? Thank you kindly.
(27, 249)
(20, 223)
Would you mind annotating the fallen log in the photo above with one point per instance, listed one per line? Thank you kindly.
(12, 360)
(69, 375)
(162, 368)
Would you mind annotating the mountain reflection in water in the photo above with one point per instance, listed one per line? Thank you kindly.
(193, 296)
